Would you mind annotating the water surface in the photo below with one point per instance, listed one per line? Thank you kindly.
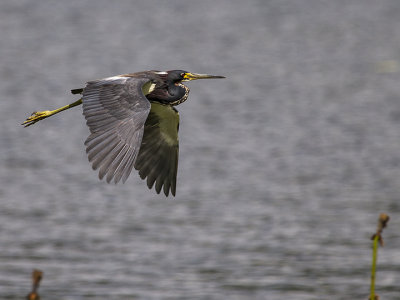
(284, 166)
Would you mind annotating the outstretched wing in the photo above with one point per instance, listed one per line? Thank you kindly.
(158, 155)
(116, 110)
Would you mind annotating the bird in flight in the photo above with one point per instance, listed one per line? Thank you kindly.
(133, 123)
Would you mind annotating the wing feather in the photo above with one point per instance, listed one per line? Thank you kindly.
(108, 159)
(158, 156)
(116, 110)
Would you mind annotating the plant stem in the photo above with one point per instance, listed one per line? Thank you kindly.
(373, 269)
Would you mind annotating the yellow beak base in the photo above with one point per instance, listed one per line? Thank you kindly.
(194, 76)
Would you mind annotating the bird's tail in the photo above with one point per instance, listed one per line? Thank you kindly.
(77, 91)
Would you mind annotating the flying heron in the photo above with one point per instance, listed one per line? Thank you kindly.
(133, 123)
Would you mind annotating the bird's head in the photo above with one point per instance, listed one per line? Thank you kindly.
(171, 90)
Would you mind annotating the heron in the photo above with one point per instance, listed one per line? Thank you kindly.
(133, 123)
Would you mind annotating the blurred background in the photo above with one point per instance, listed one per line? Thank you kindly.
(284, 166)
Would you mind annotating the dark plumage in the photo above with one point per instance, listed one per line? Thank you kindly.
(133, 124)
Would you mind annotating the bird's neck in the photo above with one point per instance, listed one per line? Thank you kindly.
(179, 93)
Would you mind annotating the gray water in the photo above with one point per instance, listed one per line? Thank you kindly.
(284, 166)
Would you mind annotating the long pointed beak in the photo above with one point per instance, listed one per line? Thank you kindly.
(194, 76)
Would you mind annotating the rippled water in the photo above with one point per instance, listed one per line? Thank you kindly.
(284, 166)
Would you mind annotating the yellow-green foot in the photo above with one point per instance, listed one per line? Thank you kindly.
(36, 117)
